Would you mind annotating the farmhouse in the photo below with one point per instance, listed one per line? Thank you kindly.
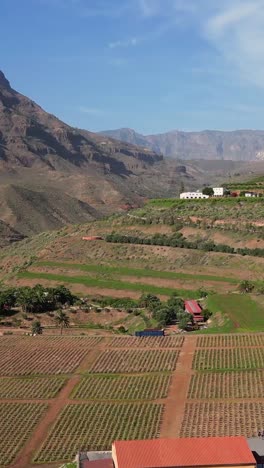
(251, 194)
(193, 308)
(174, 453)
(192, 195)
(219, 191)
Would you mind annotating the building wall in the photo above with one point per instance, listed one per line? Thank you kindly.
(192, 195)
(218, 191)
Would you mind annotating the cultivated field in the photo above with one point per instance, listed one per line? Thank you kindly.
(228, 385)
(120, 387)
(222, 419)
(148, 342)
(135, 361)
(232, 359)
(18, 420)
(94, 426)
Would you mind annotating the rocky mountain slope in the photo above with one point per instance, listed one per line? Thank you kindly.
(241, 145)
(52, 174)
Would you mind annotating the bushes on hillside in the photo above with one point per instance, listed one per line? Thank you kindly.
(178, 241)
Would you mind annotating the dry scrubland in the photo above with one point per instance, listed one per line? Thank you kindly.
(48, 413)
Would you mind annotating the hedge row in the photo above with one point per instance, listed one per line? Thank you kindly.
(178, 241)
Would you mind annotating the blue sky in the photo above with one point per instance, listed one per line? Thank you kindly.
(152, 65)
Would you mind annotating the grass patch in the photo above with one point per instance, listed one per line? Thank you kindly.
(109, 284)
(139, 273)
(240, 313)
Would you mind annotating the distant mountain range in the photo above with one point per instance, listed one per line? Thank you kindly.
(240, 145)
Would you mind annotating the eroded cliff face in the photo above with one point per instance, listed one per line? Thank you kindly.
(30, 136)
(240, 145)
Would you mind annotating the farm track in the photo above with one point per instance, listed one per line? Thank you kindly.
(178, 405)
(25, 456)
(174, 407)
(55, 407)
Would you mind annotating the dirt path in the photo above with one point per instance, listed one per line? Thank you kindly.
(175, 403)
(55, 406)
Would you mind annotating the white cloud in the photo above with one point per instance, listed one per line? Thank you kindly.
(237, 32)
(133, 41)
(235, 28)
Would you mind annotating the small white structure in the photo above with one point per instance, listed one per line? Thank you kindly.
(250, 194)
(219, 191)
(192, 195)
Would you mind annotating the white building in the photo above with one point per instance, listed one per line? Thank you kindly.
(250, 194)
(192, 195)
(219, 191)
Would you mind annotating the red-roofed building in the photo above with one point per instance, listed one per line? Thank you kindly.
(209, 452)
(193, 308)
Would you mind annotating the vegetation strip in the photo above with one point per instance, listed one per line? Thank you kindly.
(140, 273)
(177, 241)
(110, 284)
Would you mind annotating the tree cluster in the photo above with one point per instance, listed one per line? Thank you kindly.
(166, 313)
(37, 299)
(178, 241)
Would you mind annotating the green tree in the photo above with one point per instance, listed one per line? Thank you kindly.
(63, 296)
(246, 286)
(36, 328)
(206, 314)
(164, 316)
(62, 320)
(149, 301)
(203, 293)
(182, 187)
(7, 299)
(208, 191)
(184, 322)
(176, 302)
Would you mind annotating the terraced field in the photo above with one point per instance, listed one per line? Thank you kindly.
(48, 417)
(97, 425)
(135, 361)
(123, 387)
(120, 387)
(228, 359)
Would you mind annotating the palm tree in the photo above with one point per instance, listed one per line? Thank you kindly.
(62, 320)
(36, 328)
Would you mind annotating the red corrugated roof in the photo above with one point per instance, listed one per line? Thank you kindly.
(193, 452)
(192, 307)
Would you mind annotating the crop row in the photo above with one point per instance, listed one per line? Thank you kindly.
(33, 342)
(30, 388)
(18, 420)
(227, 385)
(222, 419)
(119, 387)
(40, 361)
(135, 361)
(222, 341)
(148, 342)
(95, 426)
(234, 358)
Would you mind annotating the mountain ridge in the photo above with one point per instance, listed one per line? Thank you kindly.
(237, 145)
(59, 175)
